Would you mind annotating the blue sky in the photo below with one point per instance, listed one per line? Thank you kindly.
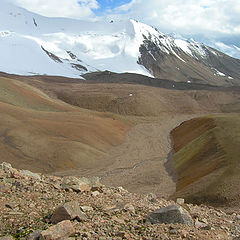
(106, 5)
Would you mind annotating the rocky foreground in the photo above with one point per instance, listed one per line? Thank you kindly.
(36, 206)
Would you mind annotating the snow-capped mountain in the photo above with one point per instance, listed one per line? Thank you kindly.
(31, 44)
(188, 61)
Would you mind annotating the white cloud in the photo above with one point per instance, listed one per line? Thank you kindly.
(231, 50)
(189, 17)
(208, 17)
(80, 9)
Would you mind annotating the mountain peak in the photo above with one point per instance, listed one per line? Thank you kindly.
(68, 47)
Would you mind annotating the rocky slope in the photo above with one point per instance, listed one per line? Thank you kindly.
(187, 61)
(34, 206)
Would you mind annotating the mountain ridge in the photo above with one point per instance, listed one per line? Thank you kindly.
(70, 48)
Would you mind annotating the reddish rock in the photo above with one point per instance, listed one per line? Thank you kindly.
(69, 211)
(60, 231)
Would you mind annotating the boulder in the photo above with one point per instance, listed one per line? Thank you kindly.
(76, 184)
(171, 214)
(200, 224)
(60, 231)
(180, 201)
(5, 166)
(95, 193)
(68, 211)
(86, 208)
(129, 207)
(34, 236)
(94, 181)
(27, 173)
(10, 171)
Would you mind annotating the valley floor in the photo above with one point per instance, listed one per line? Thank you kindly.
(141, 163)
(119, 132)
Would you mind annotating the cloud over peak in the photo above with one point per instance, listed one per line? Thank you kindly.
(211, 17)
(79, 9)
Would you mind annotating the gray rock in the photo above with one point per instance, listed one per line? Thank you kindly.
(98, 188)
(130, 208)
(171, 214)
(27, 173)
(69, 211)
(34, 236)
(6, 238)
(94, 181)
(173, 230)
(95, 193)
(200, 224)
(86, 208)
(180, 201)
(60, 231)
(76, 184)
(5, 166)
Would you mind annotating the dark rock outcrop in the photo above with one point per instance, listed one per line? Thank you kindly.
(171, 214)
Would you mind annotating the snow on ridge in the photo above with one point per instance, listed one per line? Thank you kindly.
(102, 45)
(218, 73)
(192, 48)
(164, 42)
(97, 46)
(184, 45)
(141, 30)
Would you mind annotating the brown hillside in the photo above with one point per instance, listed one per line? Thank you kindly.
(206, 159)
(86, 134)
(42, 134)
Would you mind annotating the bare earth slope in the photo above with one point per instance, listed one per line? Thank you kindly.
(207, 159)
(47, 135)
(117, 131)
(140, 163)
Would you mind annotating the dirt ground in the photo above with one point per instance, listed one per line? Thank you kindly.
(141, 163)
(119, 132)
